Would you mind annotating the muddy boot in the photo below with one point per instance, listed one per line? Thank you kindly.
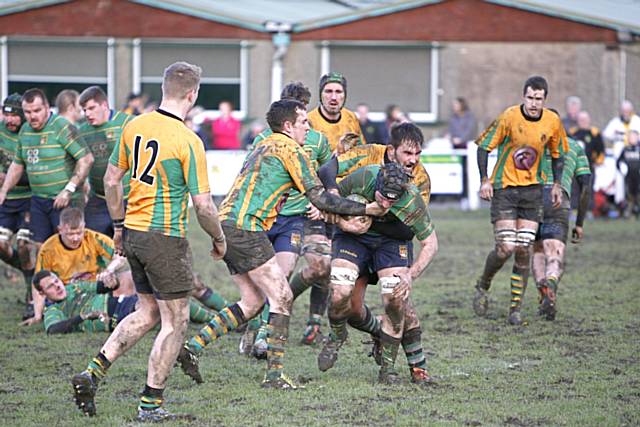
(481, 301)
(548, 303)
(389, 352)
(515, 318)
(329, 353)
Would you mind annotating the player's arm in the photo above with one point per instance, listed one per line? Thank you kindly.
(328, 173)
(429, 247)
(486, 189)
(114, 195)
(11, 179)
(394, 229)
(70, 325)
(584, 185)
(78, 149)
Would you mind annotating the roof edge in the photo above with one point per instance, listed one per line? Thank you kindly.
(24, 6)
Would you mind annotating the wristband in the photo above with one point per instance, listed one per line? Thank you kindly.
(71, 187)
(118, 223)
(219, 239)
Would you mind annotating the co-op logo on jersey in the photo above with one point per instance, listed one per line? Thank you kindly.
(525, 157)
(33, 156)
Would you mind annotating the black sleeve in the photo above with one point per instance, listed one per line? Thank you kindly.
(101, 288)
(394, 229)
(65, 326)
(584, 182)
(483, 160)
(326, 201)
(556, 167)
(328, 174)
(621, 159)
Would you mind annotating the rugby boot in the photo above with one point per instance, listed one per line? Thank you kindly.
(282, 382)
(311, 334)
(189, 364)
(548, 304)
(515, 318)
(259, 350)
(84, 392)
(480, 301)
(247, 341)
(329, 353)
(420, 376)
(159, 415)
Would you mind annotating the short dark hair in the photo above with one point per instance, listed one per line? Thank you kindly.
(72, 217)
(536, 83)
(403, 132)
(66, 99)
(94, 93)
(282, 111)
(297, 91)
(38, 277)
(31, 94)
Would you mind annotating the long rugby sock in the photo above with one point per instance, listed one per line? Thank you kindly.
(412, 346)
(213, 300)
(519, 277)
(390, 347)
(226, 320)
(298, 284)
(198, 313)
(319, 299)
(276, 340)
(338, 329)
(98, 366)
(28, 278)
(368, 323)
(151, 398)
(492, 265)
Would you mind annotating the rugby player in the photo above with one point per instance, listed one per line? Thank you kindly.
(521, 134)
(549, 247)
(392, 260)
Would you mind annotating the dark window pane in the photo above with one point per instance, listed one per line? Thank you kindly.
(50, 89)
(209, 97)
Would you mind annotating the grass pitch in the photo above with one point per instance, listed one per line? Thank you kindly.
(581, 370)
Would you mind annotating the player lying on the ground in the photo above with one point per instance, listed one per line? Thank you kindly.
(94, 306)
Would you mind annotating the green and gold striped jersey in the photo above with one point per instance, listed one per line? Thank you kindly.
(272, 169)
(334, 130)
(49, 155)
(375, 154)
(521, 142)
(576, 163)
(101, 140)
(167, 163)
(82, 298)
(317, 148)
(8, 145)
(410, 208)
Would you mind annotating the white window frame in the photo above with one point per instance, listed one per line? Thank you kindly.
(430, 116)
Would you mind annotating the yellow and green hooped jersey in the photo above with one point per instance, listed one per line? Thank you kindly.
(374, 154)
(272, 169)
(410, 208)
(348, 122)
(81, 298)
(317, 148)
(8, 145)
(101, 140)
(49, 155)
(167, 163)
(521, 142)
(576, 163)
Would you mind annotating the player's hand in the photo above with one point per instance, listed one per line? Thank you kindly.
(117, 242)
(62, 200)
(108, 277)
(219, 249)
(374, 209)
(486, 190)
(576, 234)
(31, 321)
(355, 224)
(330, 217)
(556, 195)
(96, 314)
(403, 289)
(314, 213)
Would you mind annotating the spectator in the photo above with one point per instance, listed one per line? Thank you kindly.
(590, 138)
(394, 115)
(572, 105)
(617, 130)
(255, 129)
(225, 130)
(630, 156)
(372, 131)
(68, 105)
(135, 104)
(462, 125)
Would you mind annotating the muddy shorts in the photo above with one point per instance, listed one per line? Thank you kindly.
(246, 250)
(555, 224)
(286, 233)
(372, 252)
(517, 203)
(161, 265)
